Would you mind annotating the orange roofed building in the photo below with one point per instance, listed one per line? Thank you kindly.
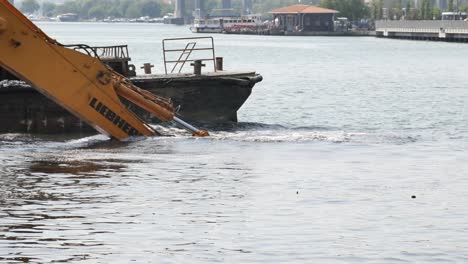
(303, 18)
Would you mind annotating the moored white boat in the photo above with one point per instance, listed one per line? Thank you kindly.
(220, 24)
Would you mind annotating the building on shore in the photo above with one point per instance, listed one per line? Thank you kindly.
(304, 18)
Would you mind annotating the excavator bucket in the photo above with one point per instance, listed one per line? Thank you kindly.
(80, 83)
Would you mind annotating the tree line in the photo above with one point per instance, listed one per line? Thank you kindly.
(354, 10)
(87, 9)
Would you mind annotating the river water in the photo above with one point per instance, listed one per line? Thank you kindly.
(352, 150)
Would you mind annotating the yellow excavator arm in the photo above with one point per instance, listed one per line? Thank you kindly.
(80, 83)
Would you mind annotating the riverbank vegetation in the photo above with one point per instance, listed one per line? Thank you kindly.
(354, 10)
(88, 9)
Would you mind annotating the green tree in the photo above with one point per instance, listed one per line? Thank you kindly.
(428, 10)
(122, 7)
(354, 10)
(85, 7)
(398, 9)
(115, 11)
(464, 8)
(435, 13)
(421, 11)
(166, 8)
(408, 10)
(150, 8)
(380, 9)
(68, 7)
(425, 12)
(98, 11)
(263, 7)
(29, 6)
(376, 9)
(132, 11)
(450, 5)
(49, 9)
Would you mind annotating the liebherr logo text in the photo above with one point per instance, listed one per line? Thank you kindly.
(113, 117)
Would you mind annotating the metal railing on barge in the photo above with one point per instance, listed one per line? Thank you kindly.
(187, 51)
(116, 51)
(177, 53)
(119, 51)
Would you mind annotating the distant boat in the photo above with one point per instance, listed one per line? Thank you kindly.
(171, 19)
(156, 20)
(221, 24)
(207, 25)
(68, 17)
(33, 18)
(144, 19)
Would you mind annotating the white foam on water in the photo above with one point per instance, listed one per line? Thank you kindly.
(282, 136)
(276, 134)
(87, 140)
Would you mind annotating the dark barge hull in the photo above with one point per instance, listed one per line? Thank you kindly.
(208, 98)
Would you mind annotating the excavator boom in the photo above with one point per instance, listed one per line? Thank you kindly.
(80, 83)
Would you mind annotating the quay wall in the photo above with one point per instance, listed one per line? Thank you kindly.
(437, 30)
(362, 33)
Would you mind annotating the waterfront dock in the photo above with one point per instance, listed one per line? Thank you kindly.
(435, 30)
(351, 33)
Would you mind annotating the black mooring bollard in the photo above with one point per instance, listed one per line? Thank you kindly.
(219, 63)
(197, 65)
(147, 67)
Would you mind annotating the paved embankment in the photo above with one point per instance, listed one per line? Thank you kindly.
(438, 30)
